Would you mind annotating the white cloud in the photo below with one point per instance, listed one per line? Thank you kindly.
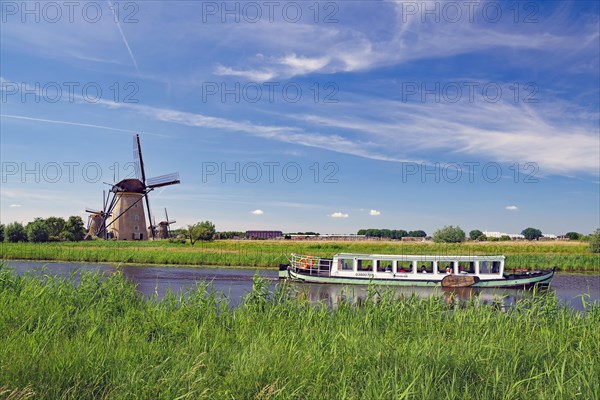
(512, 208)
(258, 212)
(15, 205)
(374, 213)
(339, 215)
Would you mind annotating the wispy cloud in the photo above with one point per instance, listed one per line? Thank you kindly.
(253, 75)
(374, 213)
(54, 121)
(258, 212)
(547, 135)
(135, 64)
(511, 208)
(15, 205)
(281, 133)
(346, 47)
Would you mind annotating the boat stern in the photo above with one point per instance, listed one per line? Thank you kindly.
(283, 271)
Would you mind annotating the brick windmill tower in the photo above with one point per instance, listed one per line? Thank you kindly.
(164, 229)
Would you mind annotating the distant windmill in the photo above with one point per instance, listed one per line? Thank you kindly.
(126, 207)
(97, 220)
(164, 229)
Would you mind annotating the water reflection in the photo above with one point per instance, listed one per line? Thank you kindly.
(234, 284)
(334, 295)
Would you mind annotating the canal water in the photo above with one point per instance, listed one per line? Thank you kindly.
(234, 284)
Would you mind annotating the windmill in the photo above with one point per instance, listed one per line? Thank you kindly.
(97, 220)
(164, 230)
(126, 206)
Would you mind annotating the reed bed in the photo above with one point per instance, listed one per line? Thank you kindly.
(98, 338)
(566, 256)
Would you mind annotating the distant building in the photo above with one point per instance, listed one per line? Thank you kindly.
(333, 236)
(264, 234)
(512, 236)
(412, 239)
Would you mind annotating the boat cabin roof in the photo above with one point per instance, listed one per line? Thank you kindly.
(418, 257)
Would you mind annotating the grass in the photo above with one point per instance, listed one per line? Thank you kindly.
(99, 339)
(566, 256)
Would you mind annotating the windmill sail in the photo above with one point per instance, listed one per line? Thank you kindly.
(163, 180)
(138, 160)
(88, 210)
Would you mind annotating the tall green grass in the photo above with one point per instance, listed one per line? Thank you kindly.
(99, 339)
(565, 256)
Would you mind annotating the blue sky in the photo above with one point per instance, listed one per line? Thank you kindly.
(322, 116)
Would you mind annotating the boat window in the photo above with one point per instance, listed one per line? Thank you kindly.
(345, 264)
(426, 267)
(365, 265)
(404, 267)
(489, 267)
(384, 265)
(443, 265)
(495, 267)
(466, 267)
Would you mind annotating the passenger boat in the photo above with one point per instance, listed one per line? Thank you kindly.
(411, 270)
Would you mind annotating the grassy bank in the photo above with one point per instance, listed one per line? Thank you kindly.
(567, 256)
(98, 339)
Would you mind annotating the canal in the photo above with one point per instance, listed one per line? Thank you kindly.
(234, 284)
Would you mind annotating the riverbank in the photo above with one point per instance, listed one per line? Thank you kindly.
(99, 339)
(566, 256)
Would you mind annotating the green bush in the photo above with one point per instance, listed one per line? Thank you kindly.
(15, 232)
(38, 231)
(449, 234)
(595, 242)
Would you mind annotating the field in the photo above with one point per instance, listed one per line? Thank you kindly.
(99, 339)
(566, 256)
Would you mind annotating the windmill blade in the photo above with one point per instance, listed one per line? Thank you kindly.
(104, 200)
(163, 180)
(138, 159)
(171, 222)
(88, 210)
(166, 215)
(152, 230)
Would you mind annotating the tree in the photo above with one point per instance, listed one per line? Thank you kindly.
(398, 233)
(204, 230)
(573, 235)
(475, 234)
(1, 233)
(15, 232)
(531, 233)
(55, 226)
(207, 231)
(37, 231)
(505, 238)
(418, 233)
(449, 234)
(595, 241)
(73, 230)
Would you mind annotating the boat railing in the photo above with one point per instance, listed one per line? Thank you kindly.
(311, 265)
